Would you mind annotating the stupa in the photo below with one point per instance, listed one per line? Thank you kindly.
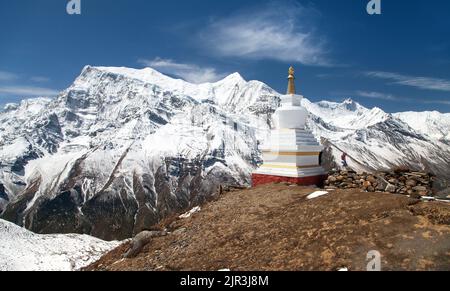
(292, 154)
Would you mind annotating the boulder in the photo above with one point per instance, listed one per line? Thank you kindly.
(367, 184)
(415, 196)
(382, 184)
(420, 188)
(423, 193)
(140, 241)
(372, 179)
(393, 181)
(390, 188)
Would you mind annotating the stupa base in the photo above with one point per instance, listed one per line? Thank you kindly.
(261, 179)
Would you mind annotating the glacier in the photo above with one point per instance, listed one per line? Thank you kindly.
(122, 149)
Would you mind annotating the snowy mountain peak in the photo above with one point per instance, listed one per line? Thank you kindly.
(347, 105)
(235, 77)
(10, 107)
(349, 101)
(348, 114)
(147, 75)
(431, 123)
(150, 75)
(233, 92)
(351, 105)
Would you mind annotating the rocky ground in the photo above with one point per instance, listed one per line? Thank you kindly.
(276, 227)
(404, 182)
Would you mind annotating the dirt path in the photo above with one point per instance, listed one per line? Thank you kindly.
(276, 228)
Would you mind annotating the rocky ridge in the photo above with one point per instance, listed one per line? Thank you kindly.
(404, 182)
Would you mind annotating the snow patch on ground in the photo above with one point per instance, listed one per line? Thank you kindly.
(317, 194)
(190, 213)
(22, 250)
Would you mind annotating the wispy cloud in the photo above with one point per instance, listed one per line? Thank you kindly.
(380, 96)
(443, 102)
(189, 72)
(7, 76)
(418, 82)
(28, 91)
(390, 97)
(281, 31)
(40, 79)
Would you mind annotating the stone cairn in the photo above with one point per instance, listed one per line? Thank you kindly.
(415, 184)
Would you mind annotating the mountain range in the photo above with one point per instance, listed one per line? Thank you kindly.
(121, 149)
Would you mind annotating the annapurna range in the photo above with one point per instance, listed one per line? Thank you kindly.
(121, 148)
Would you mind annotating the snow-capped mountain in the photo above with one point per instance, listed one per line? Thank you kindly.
(375, 139)
(431, 123)
(122, 148)
(116, 152)
(22, 250)
(346, 115)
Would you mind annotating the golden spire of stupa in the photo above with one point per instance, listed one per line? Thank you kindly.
(291, 84)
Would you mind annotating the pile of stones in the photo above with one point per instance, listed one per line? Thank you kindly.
(415, 184)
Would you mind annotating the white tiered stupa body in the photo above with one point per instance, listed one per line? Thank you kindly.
(292, 154)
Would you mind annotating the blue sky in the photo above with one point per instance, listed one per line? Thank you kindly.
(399, 61)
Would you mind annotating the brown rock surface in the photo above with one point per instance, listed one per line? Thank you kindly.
(275, 227)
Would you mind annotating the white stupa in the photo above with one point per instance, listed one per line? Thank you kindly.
(292, 154)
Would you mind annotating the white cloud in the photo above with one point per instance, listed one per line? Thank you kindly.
(27, 91)
(378, 95)
(390, 97)
(189, 72)
(279, 31)
(443, 102)
(39, 79)
(418, 82)
(7, 76)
